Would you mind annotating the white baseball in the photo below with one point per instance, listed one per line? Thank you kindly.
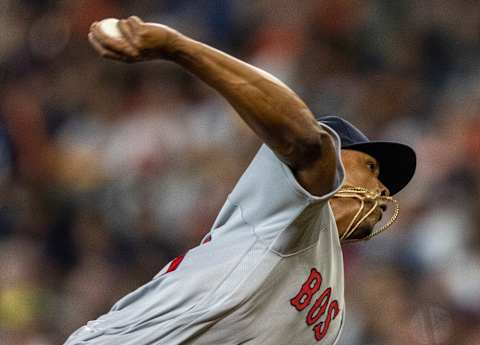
(110, 28)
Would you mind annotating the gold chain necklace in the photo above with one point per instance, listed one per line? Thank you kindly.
(363, 194)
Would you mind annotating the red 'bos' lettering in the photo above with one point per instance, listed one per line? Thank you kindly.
(318, 309)
(322, 305)
(321, 332)
(309, 288)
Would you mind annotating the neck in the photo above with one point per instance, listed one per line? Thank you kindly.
(342, 217)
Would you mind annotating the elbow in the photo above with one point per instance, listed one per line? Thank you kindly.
(309, 147)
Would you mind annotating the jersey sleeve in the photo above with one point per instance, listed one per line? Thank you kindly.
(269, 196)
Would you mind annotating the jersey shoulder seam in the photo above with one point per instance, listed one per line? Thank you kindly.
(296, 252)
(265, 243)
(251, 226)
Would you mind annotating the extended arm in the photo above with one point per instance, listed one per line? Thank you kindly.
(276, 114)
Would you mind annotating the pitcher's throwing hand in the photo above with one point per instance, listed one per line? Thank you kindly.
(139, 41)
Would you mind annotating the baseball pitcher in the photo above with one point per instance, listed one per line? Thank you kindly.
(270, 270)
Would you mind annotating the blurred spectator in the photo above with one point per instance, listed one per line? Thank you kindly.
(108, 171)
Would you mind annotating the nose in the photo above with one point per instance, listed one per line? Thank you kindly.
(383, 190)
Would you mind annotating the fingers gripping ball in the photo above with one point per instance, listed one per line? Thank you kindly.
(110, 28)
(132, 40)
(108, 39)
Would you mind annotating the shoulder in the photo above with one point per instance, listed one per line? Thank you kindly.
(318, 167)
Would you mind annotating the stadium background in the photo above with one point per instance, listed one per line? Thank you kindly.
(108, 171)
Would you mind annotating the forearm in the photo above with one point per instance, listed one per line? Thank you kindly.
(277, 115)
(269, 107)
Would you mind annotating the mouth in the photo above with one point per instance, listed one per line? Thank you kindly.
(381, 208)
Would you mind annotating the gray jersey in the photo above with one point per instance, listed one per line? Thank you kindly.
(269, 272)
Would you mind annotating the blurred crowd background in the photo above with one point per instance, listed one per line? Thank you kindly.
(108, 171)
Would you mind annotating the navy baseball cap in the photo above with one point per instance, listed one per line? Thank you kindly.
(397, 161)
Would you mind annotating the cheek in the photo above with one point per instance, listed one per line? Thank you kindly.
(359, 179)
(353, 178)
(345, 206)
(348, 207)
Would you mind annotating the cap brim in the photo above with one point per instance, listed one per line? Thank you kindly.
(397, 162)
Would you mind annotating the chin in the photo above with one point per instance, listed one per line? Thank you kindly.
(362, 231)
(367, 226)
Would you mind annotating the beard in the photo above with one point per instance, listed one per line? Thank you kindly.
(366, 227)
(364, 230)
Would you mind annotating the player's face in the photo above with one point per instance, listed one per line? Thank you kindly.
(361, 170)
